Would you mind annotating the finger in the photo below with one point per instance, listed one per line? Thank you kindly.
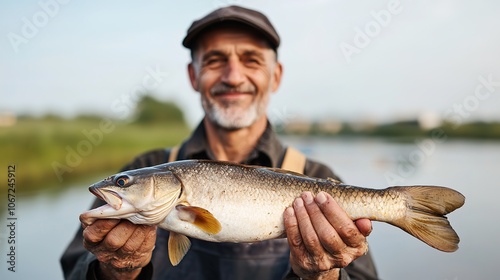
(300, 260)
(307, 233)
(292, 228)
(141, 240)
(119, 235)
(150, 239)
(325, 232)
(338, 218)
(364, 226)
(95, 233)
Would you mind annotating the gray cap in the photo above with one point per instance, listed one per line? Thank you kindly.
(254, 19)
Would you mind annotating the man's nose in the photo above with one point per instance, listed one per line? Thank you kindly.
(233, 73)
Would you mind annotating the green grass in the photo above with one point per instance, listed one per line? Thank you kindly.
(36, 145)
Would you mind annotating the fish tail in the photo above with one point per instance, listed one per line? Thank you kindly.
(425, 216)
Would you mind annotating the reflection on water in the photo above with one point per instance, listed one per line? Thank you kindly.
(47, 222)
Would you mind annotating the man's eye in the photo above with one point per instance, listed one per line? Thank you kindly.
(252, 61)
(213, 61)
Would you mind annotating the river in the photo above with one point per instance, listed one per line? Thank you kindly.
(47, 221)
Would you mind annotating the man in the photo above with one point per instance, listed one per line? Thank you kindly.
(235, 69)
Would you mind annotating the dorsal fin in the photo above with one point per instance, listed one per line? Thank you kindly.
(335, 181)
(283, 171)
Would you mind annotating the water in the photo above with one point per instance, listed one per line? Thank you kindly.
(45, 225)
(46, 222)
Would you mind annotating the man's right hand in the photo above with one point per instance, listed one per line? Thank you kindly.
(122, 248)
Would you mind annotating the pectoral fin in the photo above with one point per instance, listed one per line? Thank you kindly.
(199, 217)
(178, 245)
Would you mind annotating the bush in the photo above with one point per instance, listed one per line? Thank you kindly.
(152, 111)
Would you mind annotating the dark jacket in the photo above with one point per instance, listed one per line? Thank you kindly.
(207, 260)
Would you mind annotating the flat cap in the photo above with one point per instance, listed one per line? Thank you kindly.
(254, 19)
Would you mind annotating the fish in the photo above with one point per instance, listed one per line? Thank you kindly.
(228, 202)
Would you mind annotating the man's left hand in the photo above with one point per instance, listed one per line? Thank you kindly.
(322, 237)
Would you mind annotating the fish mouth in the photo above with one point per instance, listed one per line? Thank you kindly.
(111, 197)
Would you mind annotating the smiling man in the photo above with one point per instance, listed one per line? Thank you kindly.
(235, 69)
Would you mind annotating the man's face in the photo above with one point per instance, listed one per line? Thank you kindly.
(234, 70)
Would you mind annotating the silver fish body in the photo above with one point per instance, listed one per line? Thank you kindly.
(227, 202)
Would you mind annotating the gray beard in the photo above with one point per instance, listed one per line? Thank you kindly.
(231, 117)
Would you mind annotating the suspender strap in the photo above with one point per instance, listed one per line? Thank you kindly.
(174, 152)
(294, 160)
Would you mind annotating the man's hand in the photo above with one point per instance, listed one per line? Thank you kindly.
(322, 237)
(122, 248)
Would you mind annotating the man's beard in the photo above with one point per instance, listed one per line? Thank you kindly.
(230, 115)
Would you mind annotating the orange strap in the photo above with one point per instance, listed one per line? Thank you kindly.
(294, 160)
(174, 152)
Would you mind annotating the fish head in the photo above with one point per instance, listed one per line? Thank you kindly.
(143, 196)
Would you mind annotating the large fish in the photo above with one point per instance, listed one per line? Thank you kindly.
(227, 202)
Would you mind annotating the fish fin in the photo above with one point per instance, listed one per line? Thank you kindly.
(178, 245)
(425, 218)
(199, 217)
(283, 171)
(334, 181)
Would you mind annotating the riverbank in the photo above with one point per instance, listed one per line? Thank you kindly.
(53, 152)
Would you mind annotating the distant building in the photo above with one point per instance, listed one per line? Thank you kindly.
(7, 119)
(297, 126)
(329, 126)
(429, 120)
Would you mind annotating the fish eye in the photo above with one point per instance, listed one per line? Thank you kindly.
(121, 181)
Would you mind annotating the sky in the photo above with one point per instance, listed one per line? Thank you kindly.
(354, 60)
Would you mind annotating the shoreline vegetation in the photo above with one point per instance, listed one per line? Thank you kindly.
(52, 152)
(403, 131)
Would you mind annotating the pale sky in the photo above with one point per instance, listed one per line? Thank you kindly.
(342, 59)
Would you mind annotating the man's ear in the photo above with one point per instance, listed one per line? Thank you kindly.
(277, 73)
(192, 76)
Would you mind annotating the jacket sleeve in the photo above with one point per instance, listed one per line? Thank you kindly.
(77, 263)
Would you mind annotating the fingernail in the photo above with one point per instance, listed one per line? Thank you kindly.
(289, 211)
(298, 202)
(307, 197)
(321, 198)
